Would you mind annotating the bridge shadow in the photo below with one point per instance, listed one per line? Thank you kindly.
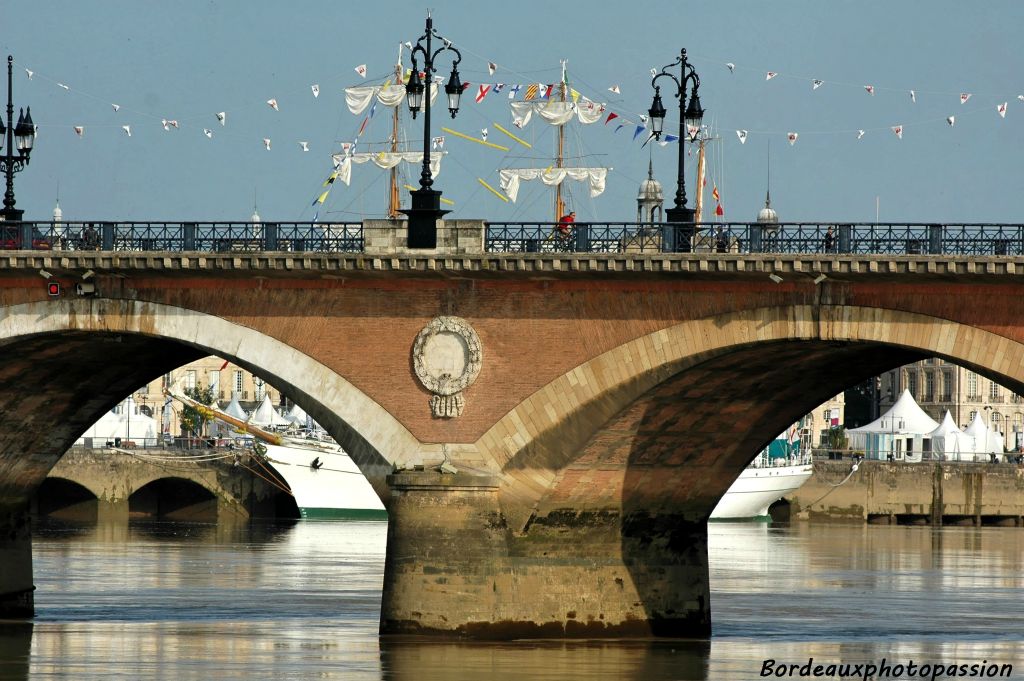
(687, 440)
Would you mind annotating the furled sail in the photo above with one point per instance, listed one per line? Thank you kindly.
(358, 98)
(556, 112)
(511, 177)
(385, 160)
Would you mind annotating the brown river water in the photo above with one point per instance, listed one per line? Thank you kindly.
(166, 600)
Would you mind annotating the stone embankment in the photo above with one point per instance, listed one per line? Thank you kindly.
(931, 492)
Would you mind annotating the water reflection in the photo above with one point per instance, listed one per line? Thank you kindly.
(301, 600)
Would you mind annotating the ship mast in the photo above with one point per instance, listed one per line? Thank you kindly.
(699, 203)
(394, 202)
(559, 203)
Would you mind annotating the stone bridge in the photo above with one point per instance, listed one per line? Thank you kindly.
(116, 484)
(549, 458)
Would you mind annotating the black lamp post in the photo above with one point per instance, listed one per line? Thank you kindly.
(23, 136)
(426, 202)
(690, 115)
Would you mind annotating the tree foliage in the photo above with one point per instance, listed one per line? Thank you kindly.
(836, 439)
(192, 421)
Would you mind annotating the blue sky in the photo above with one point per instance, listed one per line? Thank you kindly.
(186, 61)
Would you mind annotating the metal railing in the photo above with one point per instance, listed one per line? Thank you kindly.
(529, 237)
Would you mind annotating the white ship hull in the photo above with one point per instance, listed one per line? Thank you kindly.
(757, 488)
(336, 490)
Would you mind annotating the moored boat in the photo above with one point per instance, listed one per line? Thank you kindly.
(778, 470)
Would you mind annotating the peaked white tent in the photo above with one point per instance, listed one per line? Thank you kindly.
(951, 443)
(986, 441)
(235, 409)
(297, 415)
(266, 415)
(129, 424)
(903, 432)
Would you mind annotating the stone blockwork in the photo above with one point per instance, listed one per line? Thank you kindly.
(931, 492)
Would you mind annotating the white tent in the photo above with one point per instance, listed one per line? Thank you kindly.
(951, 443)
(130, 425)
(266, 415)
(235, 409)
(297, 415)
(903, 431)
(986, 441)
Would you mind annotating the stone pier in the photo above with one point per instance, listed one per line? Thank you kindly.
(16, 587)
(454, 566)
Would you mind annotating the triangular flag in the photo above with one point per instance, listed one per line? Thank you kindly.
(482, 92)
(208, 132)
(437, 143)
(815, 84)
(671, 138)
(483, 134)
(964, 96)
(116, 107)
(266, 143)
(636, 133)
(718, 210)
(731, 67)
(742, 134)
(273, 104)
(80, 130)
(304, 145)
(615, 89)
(165, 124)
(620, 126)
(611, 116)
(951, 120)
(898, 129)
(860, 133)
(715, 194)
(791, 136)
(491, 68)
(770, 75)
(222, 117)
(316, 90)
(1020, 97)
(361, 70)
(127, 129)
(498, 87)
(1001, 109)
(870, 89)
(693, 131)
(29, 74)
(654, 72)
(913, 97)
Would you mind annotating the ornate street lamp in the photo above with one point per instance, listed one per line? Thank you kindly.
(690, 115)
(20, 137)
(426, 202)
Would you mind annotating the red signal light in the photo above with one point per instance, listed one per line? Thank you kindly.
(53, 288)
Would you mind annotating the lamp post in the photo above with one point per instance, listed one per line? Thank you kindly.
(426, 202)
(22, 136)
(690, 115)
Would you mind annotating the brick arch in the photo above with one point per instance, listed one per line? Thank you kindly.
(535, 442)
(55, 330)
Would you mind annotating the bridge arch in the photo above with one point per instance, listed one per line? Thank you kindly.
(75, 358)
(613, 411)
(174, 498)
(65, 498)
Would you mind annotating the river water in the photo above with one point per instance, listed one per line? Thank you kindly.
(164, 600)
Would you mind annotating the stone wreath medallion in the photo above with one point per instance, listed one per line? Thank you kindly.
(446, 357)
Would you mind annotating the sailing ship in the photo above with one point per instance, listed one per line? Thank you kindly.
(781, 468)
(390, 154)
(324, 480)
(556, 105)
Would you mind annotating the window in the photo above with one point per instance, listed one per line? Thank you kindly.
(190, 379)
(912, 383)
(214, 378)
(1018, 420)
(237, 386)
(929, 387)
(259, 389)
(972, 386)
(168, 379)
(993, 390)
(947, 386)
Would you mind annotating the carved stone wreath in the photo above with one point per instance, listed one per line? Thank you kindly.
(446, 357)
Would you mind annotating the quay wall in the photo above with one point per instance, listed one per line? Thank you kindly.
(937, 493)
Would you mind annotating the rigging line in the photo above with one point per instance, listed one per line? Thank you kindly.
(853, 469)
(272, 482)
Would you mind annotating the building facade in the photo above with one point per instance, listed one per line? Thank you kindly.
(940, 386)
